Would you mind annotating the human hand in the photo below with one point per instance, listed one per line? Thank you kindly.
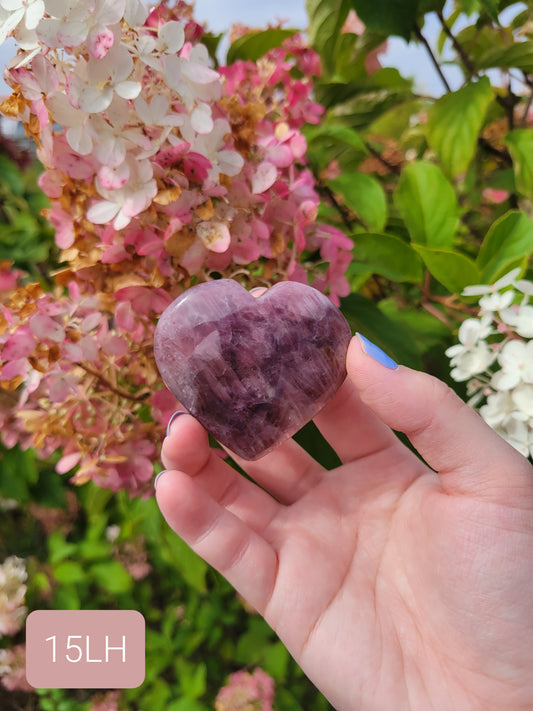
(394, 587)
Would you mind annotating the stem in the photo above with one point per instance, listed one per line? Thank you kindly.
(523, 121)
(393, 168)
(432, 56)
(436, 313)
(343, 212)
(486, 145)
(109, 385)
(510, 103)
(467, 62)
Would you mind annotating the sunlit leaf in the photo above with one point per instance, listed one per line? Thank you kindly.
(452, 269)
(112, 576)
(389, 256)
(517, 56)
(392, 17)
(364, 195)
(428, 205)
(520, 144)
(365, 317)
(455, 121)
(326, 18)
(254, 45)
(507, 244)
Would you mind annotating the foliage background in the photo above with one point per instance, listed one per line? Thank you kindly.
(434, 193)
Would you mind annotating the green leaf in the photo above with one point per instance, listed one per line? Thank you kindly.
(185, 704)
(507, 244)
(392, 17)
(276, 660)
(520, 144)
(18, 469)
(328, 142)
(287, 701)
(365, 317)
(177, 553)
(192, 678)
(212, 43)
(58, 547)
(396, 122)
(452, 269)
(326, 18)
(491, 8)
(425, 6)
(157, 696)
(518, 56)
(424, 328)
(389, 256)
(66, 597)
(92, 550)
(469, 7)
(364, 195)
(254, 45)
(310, 438)
(11, 176)
(358, 105)
(455, 121)
(427, 203)
(69, 572)
(335, 133)
(112, 576)
(252, 644)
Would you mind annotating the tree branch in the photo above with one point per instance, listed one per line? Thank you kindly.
(465, 59)
(393, 168)
(503, 155)
(343, 212)
(421, 38)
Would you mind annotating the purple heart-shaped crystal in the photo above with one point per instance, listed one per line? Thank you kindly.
(252, 370)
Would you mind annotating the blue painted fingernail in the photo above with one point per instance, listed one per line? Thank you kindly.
(376, 353)
(174, 416)
(157, 477)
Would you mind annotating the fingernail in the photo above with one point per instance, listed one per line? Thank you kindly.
(174, 416)
(376, 353)
(157, 477)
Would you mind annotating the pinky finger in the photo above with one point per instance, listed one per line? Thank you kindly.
(240, 554)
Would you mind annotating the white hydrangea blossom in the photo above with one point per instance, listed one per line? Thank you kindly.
(12, 592)
(494, 357)
(123, 91)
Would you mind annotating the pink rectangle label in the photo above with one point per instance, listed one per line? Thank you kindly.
(85, 649)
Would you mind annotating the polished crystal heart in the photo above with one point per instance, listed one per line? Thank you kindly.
(252, 370)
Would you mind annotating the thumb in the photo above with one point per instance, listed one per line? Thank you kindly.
(469, 457)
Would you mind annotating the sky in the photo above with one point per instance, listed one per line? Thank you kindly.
(411, 60)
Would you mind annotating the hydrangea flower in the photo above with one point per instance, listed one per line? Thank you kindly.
(15, 13)
(245, 690)
(12, 593)
(13, 669)
(495, 357)
(161, 170)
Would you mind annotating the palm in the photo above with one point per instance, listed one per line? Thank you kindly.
(397, 579)
(390, 591)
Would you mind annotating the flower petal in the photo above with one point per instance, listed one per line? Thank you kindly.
(264, 177)
(102, 212)
(128, 89)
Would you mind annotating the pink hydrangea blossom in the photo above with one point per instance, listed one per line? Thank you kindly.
(246, 691)
(13, 668)
(161, 170)
(13, 576)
